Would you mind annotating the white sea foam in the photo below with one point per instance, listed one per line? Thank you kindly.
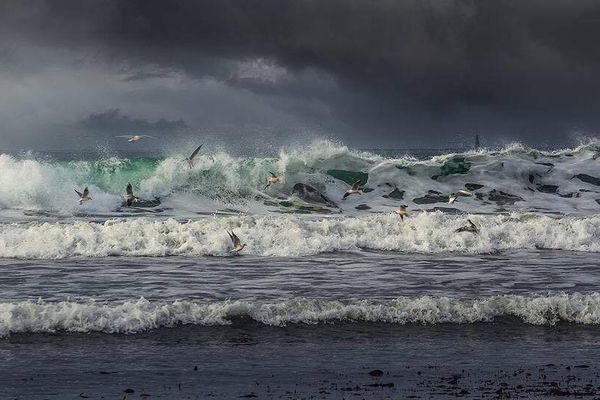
(140, 315)
(564, 181)
(36, 185)
(295, 235)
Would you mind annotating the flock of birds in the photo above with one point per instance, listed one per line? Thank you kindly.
(272, 179)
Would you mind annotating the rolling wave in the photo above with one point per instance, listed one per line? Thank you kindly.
(511, 179)
(288, 236)
(140, 315)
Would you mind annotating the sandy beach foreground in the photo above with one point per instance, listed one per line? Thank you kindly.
(505, 359)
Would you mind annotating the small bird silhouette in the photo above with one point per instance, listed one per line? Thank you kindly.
(355, 189)
(130, 197)
(471, 228)
(272, 179)
(190, 159)
(401, 211)
(85, 196)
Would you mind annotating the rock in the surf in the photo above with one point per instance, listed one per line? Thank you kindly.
(310, 194)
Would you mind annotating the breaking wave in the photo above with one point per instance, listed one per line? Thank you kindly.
(512, 179)
(140, 315)
(289, 235)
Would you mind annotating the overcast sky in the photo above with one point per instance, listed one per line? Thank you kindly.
(388, 73)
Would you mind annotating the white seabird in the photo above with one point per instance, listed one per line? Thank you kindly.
(401, 211)
(237, 244)
(355, 189)
(85, 196)
(272, 179)
(472, 228)
(130, 197)
(461, 193)
(135, 138)
(190, 159)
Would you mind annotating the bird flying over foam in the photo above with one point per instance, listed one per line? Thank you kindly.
(190, 159)
(355, 189)
(272, 179)
(135, 138)
(401, 211)
(461, 193)
(471, 228)
(85, 196)
(237, 244)
(130, 197)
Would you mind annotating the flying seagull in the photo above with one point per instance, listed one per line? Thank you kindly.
(472, 228)
(462, 193)
(237, 244)
(401, 211)
(130, 197)
(135, 138)
(354, 189)
(271, 180)
(190, 159)
(85, 196)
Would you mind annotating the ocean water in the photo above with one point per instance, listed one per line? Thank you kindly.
(139, 296)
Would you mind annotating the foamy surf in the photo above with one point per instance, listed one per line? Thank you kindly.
(141, 315)
(287, 236)
(511, 179)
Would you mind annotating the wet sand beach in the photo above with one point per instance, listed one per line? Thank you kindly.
(505, 359)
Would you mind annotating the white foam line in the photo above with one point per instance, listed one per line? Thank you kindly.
(288, 235)
(140, 315)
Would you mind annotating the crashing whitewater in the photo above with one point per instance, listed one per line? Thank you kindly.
(512, 179)
(522, 199)
(289, 236)
(139, 315)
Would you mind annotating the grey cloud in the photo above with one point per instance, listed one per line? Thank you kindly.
(394, 71)
(141, 76)
(115, 121)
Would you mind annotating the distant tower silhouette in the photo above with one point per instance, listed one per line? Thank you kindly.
(477, 145)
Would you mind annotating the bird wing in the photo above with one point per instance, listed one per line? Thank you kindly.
(195, 152)
(464, 193)
(235, 239)
(356, 185)
(273, 175)
(129, 189)
(472, 224)
(127, 136)
(78, 193)
(147, 136)
(86, 191)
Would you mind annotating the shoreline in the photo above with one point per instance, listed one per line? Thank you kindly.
(494, 360)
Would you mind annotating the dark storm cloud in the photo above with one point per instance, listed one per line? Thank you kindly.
(114, 121)
(517, 69)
